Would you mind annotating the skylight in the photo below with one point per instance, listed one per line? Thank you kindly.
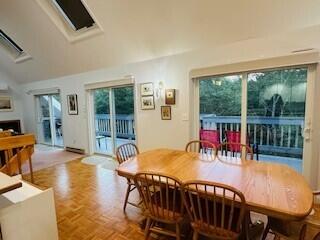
(10, 45)
(75, 14)
(14, 50)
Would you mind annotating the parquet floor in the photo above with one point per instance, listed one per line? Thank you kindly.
(89, 202)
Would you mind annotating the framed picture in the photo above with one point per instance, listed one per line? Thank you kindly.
(166, 112)
(72, 104)
(146, 89)
(147, 103)
(6, 104)
(170, 96)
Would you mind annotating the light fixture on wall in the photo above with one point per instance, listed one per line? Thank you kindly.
(159, 89)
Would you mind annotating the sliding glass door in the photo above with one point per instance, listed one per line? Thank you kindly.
(220, 106)
(113, 118)
(49, 119)
(271, 104)
(276, 114)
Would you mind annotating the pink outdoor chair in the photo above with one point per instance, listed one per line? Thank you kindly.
(233, 138)
(212, 136)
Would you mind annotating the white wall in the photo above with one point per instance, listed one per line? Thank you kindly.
(15, 92)
(174, 71)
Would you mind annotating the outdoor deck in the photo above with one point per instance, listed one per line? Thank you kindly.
(279, 140)
(104, 145)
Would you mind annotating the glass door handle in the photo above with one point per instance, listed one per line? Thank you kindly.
(307, 133)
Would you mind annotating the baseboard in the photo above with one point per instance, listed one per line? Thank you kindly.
(75, 150)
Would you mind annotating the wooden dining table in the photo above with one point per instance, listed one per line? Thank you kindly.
(272, 189)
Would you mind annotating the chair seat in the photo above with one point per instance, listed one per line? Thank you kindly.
(213, 231)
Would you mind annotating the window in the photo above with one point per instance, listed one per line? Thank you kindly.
(75, 13)
(271, 113)
(220, 104)
(10, 45)
(14, 50)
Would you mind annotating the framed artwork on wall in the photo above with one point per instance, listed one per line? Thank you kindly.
(170, 96)
(147, 103)
(166, 112)
(6, 104)
(146, 89)
(72, 104)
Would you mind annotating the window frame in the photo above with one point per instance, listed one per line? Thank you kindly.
(309, 148)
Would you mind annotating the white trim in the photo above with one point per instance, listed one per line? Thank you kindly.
(24, 57)
(257, 65)
(310, 147)
(244, 103)
(309, 165)
(44, 91)
(62, 24)
(90, 121)
(195, 110)
(90, 104)
(110, 84)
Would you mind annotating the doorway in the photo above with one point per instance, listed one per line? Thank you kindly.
(113, 118)
(49, 120)
(268, 109)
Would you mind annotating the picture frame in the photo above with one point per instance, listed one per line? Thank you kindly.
(72, 100)
(147, 103)
(166, 112)
(146, 89)
(6, 104)
(170, 96)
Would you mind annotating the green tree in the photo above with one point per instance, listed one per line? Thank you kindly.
(124, 103)
(222, 95)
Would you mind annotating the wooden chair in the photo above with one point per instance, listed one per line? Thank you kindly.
(303, 231)
(124, 153)
(17, 150)
(163, 202)
(281, 228)
(235, 150)
(5, 133)
(235, 137)
(216, 211)
(201, 146)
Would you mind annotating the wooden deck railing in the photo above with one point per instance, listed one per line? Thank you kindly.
(273, 134)
(124, 125)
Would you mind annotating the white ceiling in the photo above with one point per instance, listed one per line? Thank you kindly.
(137, 30)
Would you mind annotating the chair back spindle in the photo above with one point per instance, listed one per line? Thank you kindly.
(215, 210)
(161, 196)
(126, 151)
(231, 149)
(203, 147)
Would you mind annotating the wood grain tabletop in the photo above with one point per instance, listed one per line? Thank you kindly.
(272, 189)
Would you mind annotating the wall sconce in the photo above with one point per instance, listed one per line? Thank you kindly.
(158, 89)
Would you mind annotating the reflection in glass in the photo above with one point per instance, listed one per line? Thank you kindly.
(276, 111)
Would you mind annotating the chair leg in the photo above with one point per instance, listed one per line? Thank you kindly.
(265, 232)
(195, 235)
(147, 229)
(127, 197)
(178, 237)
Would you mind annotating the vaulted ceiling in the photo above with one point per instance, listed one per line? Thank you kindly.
(137, 30)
